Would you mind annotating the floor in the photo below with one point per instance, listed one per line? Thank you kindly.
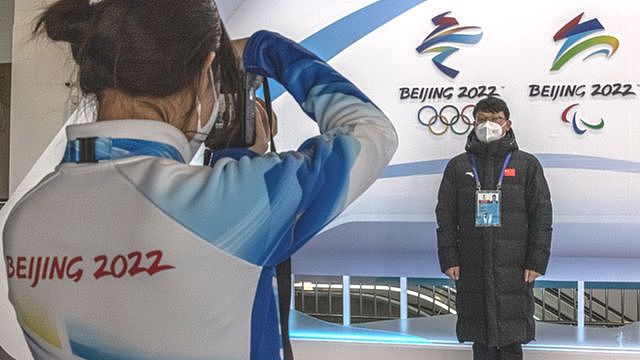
(435, 337)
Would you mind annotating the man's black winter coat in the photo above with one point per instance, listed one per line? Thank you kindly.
(495, 306)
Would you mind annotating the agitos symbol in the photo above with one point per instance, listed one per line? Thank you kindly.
(447, 123)
(574, 31)
(446, 32)
(574, 122)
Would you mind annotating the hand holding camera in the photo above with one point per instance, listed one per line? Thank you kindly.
(243, 120)
(263, 126)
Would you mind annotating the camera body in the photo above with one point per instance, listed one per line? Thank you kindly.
(235, 126)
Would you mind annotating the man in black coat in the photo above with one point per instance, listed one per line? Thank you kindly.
(494, 250)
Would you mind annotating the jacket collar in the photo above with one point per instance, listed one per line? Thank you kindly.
(496, 148)
(146, 130)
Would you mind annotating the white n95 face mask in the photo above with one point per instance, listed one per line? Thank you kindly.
(489, 131)
(203, 131)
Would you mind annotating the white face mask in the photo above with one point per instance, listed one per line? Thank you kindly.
(489, 131)
(203, 131)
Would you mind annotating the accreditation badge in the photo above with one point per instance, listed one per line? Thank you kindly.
(488, 208)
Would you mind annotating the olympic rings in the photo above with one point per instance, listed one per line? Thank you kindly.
(444, 120)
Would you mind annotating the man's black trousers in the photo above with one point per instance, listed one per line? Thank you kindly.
(508, 352)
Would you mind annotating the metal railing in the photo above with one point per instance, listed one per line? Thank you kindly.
(373, 299)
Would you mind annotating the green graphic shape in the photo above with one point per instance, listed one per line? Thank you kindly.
(595, 41)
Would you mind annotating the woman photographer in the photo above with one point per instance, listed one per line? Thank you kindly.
(127, 252)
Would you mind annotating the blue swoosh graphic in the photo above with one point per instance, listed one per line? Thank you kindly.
(575, 126)
(440, 58)
(585, 28)
(606, 52)
(429, 167)
(572, 40)
(455, 38)
(549, 161)
(339, 35)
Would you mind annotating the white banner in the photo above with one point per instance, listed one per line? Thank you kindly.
(566, 69)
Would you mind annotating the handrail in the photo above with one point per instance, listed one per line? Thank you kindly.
(437, 296)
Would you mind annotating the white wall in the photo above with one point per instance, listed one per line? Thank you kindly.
(40, 69)
(227, 8)
(6, 27)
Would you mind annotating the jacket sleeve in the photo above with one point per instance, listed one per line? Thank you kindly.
(540, 218)
(447, 217)
(356, 139)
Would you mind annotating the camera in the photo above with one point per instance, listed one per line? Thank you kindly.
(235, 126)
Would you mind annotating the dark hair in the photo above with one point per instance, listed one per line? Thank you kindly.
(142, 47)
(491, 105)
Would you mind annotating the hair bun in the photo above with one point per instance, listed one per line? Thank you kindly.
(66, 20)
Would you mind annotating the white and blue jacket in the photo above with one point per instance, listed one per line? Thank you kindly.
(141, 256)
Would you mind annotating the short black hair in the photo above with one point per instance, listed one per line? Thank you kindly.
(491, 105)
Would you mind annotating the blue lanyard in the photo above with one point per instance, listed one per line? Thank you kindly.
(114, 148)
(472, 159)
